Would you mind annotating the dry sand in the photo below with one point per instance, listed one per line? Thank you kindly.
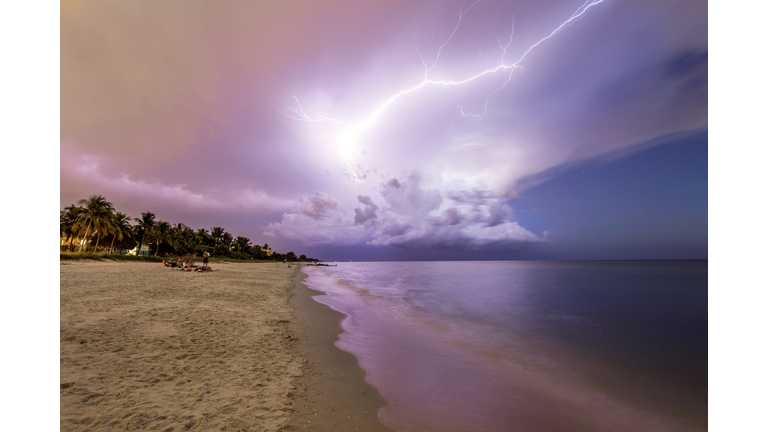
(243, 348)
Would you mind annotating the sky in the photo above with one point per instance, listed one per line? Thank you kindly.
(388, 130)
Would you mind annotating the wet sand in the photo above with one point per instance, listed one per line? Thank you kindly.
(332, 393)
(145, 347)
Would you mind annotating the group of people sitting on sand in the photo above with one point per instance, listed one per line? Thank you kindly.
(188, 263)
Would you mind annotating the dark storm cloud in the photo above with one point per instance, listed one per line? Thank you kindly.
(681, 78)
(529, 182)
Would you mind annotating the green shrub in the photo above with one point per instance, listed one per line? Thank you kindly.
(70, 256)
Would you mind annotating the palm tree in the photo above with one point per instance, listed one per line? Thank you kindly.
(226, 240)
(144, 227)
(67, 219)
(97, 214)
(184, 239)
(203, 238)
(203, 233)
(241, 243)
(162, 234)
(217, 233)
(121, 228)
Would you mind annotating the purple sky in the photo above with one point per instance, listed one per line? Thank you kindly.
(197, 111)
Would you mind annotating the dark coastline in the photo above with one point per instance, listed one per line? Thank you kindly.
(332, 394)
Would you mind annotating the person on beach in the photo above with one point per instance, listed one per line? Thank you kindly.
(171, 263)
(205, 259)
(188, 261)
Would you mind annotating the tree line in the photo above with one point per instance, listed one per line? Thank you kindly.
(94, 225)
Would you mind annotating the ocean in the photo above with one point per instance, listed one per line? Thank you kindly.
(527, 345)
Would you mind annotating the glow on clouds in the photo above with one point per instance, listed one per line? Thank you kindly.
(407, 123)
(413, 216)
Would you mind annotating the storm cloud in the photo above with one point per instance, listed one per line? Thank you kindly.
(410, 217)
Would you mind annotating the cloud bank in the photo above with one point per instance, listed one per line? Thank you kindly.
(410, 216)
(92, 173)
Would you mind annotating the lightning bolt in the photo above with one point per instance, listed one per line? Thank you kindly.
(349, 136)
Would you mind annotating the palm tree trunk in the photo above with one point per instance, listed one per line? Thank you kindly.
(85, 238)
(98, 237)
(112, 246)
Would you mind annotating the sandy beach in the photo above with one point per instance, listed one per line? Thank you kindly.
(243, 348)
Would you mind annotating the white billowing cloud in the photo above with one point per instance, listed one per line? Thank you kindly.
(415, 217)
(321, 207)
(410, 216)
(364, 214)
(318, 220)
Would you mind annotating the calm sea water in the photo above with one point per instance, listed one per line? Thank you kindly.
(528, 345)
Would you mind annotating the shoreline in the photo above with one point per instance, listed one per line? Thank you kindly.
(332, 394)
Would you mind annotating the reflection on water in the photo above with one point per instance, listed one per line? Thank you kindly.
(528, 346)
